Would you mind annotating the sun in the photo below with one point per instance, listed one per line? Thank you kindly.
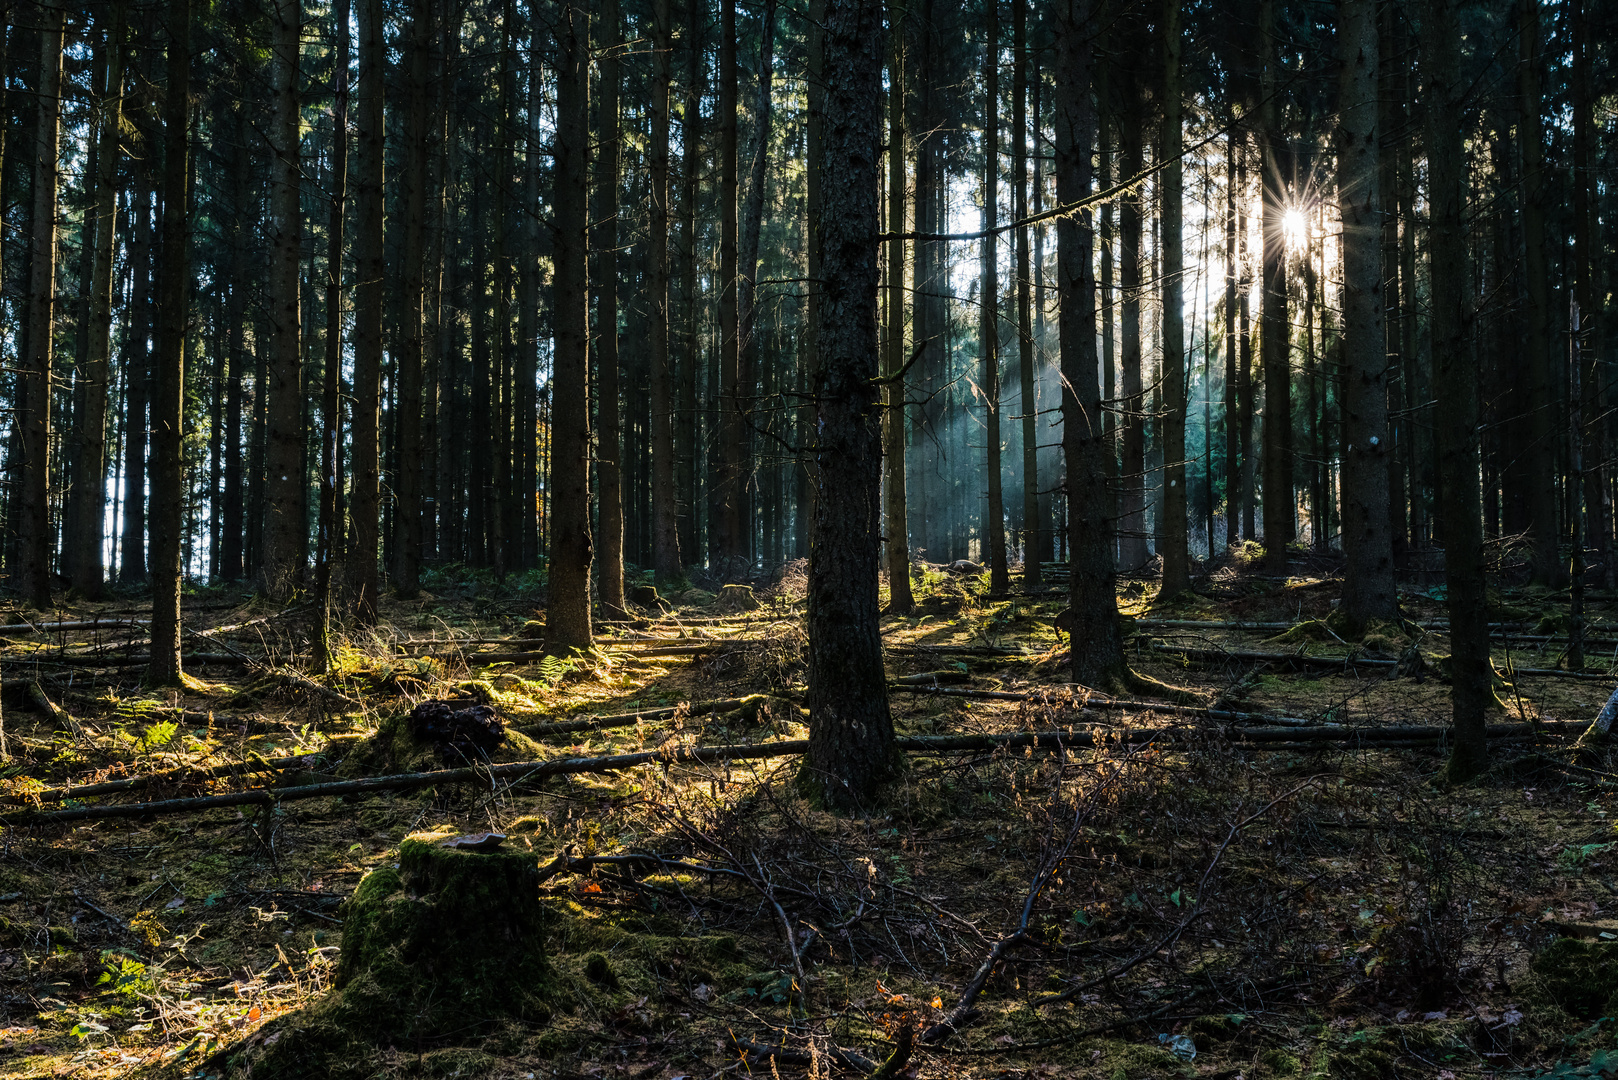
(1294, 229)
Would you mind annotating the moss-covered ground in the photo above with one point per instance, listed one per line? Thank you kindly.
(1324, 911)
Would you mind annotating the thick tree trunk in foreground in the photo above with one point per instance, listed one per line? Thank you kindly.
(282, 543)
(87, 508)
(1455, 379)
(366, 462)
(897, 541)
(168, 369)
(851, 752)
(34, 373)
(1368, 589)
(1175, 527)
(1098, 650)
(567, 625)
(610, 471)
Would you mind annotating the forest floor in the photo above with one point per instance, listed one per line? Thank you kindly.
(1286, 905)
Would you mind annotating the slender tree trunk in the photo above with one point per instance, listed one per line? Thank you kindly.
(897, 540)
(331, 443)
(1025, 301)
(1592, 379)
(281, 551)
(231, 566)
(1368, 587)
(1274, 328)
(814, 128)
(1455, 378)
(752, 220)
(409, 345)
(1545, 562)
(168, 383)
(90, 470)
(365, 433)
(612, 447)
(567, 627)
(35, 371)
(1097, 645)
(731, 539)
(851, 753)
(1390, 118)
(1132, 486)
(665, 505)
(687, 446)
(993, 537)
(1175, 527)
(1232, 403)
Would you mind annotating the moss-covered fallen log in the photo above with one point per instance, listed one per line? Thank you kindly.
(615, 720)
(185, 775)
(526, 772)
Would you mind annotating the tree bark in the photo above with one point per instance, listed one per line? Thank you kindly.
(168, 383)
(1097, 645)
(365, 434)
(665, 506)
(897, 540)
(1455, 384)
(1368, 586)
(1232, 402)
(686, 442)
(610, 471)
(331, 443)
(34, 372)
(409, 337)
(87, 508)
(1274, 330)
(752, 220)
(281, 552)
(732, 541)
(1175, 527)
(567, 625)
(851, 752)
(1134, 554)
(1590, 300)
(993, 535)
(1031, 531)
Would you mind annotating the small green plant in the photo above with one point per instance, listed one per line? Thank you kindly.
(125, 977)
(553, 669)
(158, 734)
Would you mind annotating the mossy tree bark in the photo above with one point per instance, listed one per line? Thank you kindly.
(851, 749)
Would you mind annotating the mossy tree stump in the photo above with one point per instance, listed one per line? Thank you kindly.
(449, 940)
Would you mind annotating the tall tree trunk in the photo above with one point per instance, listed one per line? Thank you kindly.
(1274, 329)
(1132, 477)
(1368, 587)
(409, 345)
(567, 627)
(1455, 384)
(281, 558)
(851, 752)
(993, 536)
(89, 504)
(365, 434)
(1390, 121)
(687, 446)
(1174, 528)
(331, 443)
(1097, 645)
(1025, 315)
(665, 506)
(897, 540)
(1232, 403)
(1592, 415)
(752, 221)
(231, 565)
(34, 372)
(814, 128)
(1545, 561)
(168, 383)
(613, 451)
(731, 539)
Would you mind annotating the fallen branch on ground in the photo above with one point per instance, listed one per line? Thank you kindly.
(597, 723)
(179, 776)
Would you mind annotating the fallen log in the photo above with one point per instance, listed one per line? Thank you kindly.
(79, 624)
(595, 723)
(187, 774)
(523, 772)
(1351, 660)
